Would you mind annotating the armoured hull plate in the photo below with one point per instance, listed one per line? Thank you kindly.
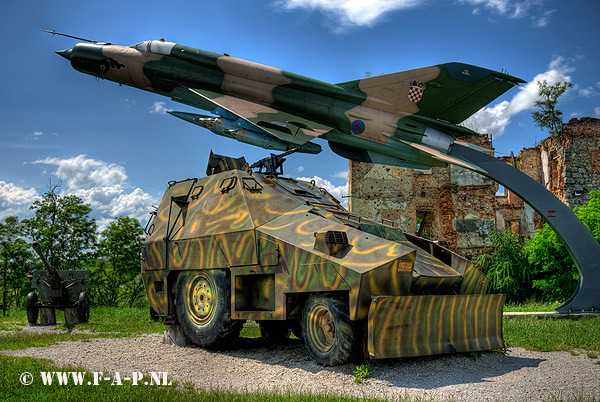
(405, 326)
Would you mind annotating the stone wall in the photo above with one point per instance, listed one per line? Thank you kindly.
(452, 205)
(459, 207)
(574, 161)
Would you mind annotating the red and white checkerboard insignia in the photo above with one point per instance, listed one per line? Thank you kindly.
(415, 92)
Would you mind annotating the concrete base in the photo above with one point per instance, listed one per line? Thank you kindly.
(174, 336)
(547, 314)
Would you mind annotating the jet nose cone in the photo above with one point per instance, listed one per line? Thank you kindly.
(65, 53)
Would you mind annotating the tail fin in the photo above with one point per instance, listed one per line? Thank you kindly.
(451, 92)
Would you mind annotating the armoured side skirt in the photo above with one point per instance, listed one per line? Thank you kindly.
(404, 326)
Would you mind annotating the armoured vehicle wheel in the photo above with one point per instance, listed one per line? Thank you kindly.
(203, 305)
(33, 311)
(83, 307)
(331, 338)
(274, 330)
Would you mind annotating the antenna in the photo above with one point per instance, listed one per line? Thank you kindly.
(74, 37)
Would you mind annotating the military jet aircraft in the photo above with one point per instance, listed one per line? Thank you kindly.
(407, 119)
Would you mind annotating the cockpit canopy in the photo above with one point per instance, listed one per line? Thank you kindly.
(155, 46)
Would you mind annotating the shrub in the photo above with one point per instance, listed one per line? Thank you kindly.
(553, 271)
(508, 267)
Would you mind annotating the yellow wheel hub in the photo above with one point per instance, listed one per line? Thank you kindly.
(321, 328)
(202, 299)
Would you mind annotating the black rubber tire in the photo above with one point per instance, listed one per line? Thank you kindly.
(83, 307)
(274, 331)
(33, 311)
(203, 306)
(329, 335)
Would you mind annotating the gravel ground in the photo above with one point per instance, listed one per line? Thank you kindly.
(519, 375)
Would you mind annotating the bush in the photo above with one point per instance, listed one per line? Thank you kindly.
(508, 267)
(553, 270)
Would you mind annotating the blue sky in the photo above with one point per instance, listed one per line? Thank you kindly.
(117, 149)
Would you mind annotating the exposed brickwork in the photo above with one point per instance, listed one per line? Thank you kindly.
(451, 201)
(460, 207)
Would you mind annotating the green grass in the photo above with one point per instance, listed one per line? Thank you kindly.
(550, 334)
(531, 306)
(126, 321)
(573, 334)
(250, 332)
(104, 322)
(131, 321)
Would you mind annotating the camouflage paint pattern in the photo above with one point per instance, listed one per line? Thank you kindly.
(434, 324)
(284, 239)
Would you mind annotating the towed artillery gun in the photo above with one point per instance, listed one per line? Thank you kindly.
(62, 290)
(237, 246)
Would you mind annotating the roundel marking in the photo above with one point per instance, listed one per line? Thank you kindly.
(358, 126)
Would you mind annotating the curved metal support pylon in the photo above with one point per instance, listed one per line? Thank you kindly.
(579, 241)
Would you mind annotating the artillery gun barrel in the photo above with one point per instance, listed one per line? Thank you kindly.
(52, 272)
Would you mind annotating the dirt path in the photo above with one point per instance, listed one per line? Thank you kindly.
(517, 376)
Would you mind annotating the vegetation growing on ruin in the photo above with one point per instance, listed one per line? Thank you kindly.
(541, 269)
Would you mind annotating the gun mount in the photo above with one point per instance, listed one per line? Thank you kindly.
(273, 164)
(58, 289)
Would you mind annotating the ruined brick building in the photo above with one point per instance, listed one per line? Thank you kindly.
(459, 208)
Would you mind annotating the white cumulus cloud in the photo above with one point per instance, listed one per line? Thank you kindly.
(339, 192)
(79, 172)
(11, 194)
(15, 200)
(351, 12)
(102, 185)
(597, 111)
(493, 120)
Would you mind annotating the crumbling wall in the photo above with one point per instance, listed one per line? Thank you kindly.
(577, 161)
(567, 165)
(454, 206)
(460, 207)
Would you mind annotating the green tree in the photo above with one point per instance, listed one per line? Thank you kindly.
(63, 228)
(116, 275)
(553, 271)
(15, 262)
(507, 267)
(549, 117)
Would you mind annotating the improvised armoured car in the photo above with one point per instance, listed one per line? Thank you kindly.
(236, 246)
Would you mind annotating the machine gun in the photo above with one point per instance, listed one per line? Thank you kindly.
(57, 290)
(273, 162)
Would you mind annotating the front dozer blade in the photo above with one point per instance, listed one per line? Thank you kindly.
(404, 326)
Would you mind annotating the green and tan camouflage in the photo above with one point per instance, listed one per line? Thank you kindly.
(280, 244)
(405, 119)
